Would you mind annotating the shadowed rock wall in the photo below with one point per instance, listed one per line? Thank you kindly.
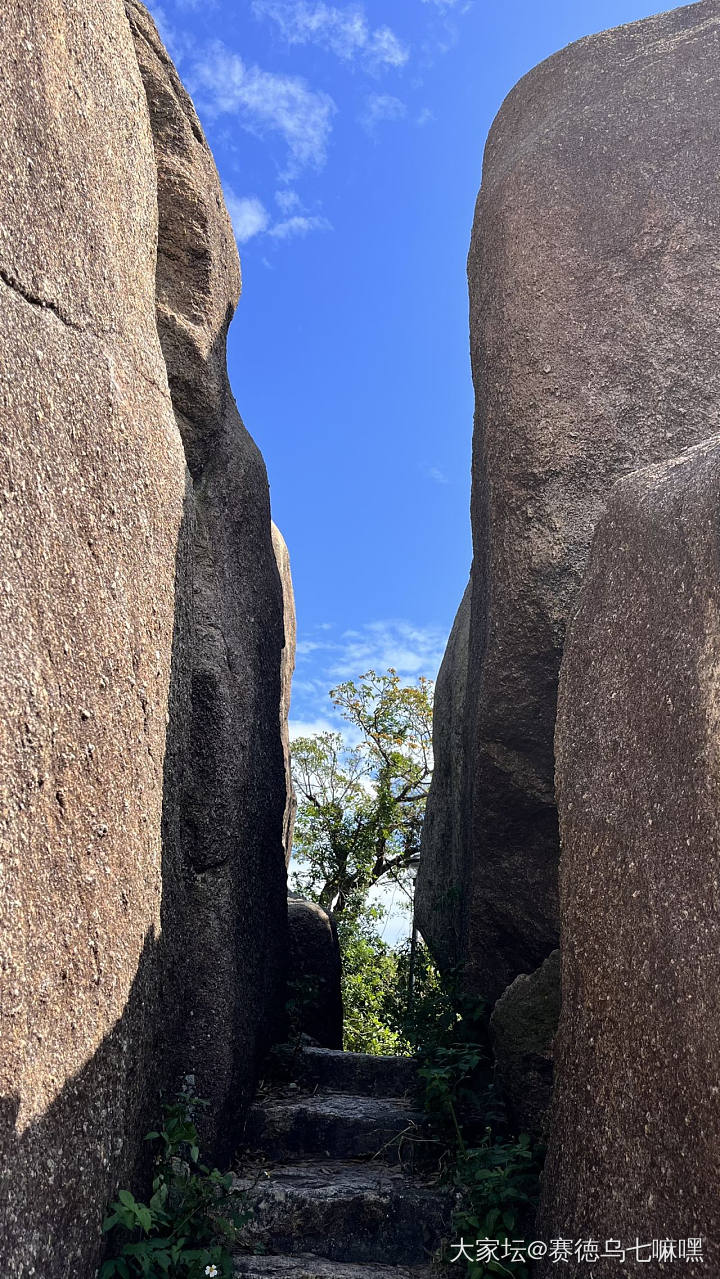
(594, 273)
(443, 874)
(233, 794)
(142, 887)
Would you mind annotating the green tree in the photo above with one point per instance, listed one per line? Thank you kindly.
(360, 809)
(360, 813)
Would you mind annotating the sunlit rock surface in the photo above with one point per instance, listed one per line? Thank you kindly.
(635, 1128)
(142, 912)
(594, 274)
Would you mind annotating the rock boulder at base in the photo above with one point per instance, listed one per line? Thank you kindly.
(594, 274)
(523, 1025)
(142, 885)
(635, 1143)
(314, 973)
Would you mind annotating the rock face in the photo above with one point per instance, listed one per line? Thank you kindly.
(443, 873)
(594, 271)
(523, 1026)
(287, 668)
(233, 785)
(635, 1125)
(333, 1174)
(141, 766)
(314, 972)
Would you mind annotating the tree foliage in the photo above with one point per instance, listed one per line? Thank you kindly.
(360, 808)
(360, 813)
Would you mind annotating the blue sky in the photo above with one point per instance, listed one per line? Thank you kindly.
(349, 140)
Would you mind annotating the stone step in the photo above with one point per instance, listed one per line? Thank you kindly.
(344, 1212)
(335, 1125)
(357, 1073)
(307, 1267)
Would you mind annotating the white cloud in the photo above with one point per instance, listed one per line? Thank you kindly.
(305, 647)
(265, 102)
(298, 225)
(248, 214)
(250, 218)
(344, 32)
(309, 727)
(380, 107)
(288, 201)
(439, 477)
(408, 649)
(411, 650)
(324, 661)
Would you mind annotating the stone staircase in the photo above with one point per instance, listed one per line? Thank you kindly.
(332, 1169)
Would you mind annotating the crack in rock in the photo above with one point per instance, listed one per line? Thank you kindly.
(53, 307)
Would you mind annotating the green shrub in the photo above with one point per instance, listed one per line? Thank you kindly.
(369, 989)
(496, 1173)
(191, 1219)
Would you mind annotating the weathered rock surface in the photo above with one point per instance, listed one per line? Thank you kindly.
(443, 873)
(322, 1214)
(636, 1130)
(337, 1124)
(523, 1026)
(141, 769)
(356, 1072)
(345, 1212)
(287, 669)
(594, 272)
(319, 1268)
(314, 972)
(233, 784)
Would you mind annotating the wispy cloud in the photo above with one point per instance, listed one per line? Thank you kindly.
(410, 649)
(248, 215)
(436, 475)
(265, 102)
(288, 201)
(325, 658)
(298, 225)
(379, 108)
(250, 218)
(309, 727)
(342, 31)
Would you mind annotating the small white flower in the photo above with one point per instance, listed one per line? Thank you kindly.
(212, 1271)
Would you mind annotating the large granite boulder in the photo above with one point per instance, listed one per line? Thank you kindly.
(142, 912)
(594, 273)
(440, 896)
(636, 1122)
(232, 799)
(523, 1026)
(314, 973)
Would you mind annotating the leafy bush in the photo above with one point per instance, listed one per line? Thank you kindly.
(369, 989)
(498, 1184)
(193, 1216)
(495, 1172)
